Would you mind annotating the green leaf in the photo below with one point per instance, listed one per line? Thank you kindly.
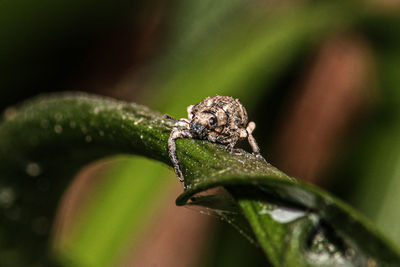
(245, 53)
(46, 140)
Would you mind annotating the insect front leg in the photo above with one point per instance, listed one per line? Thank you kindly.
(232, 143)
(176, 133)
(168, 117)
(252, 141)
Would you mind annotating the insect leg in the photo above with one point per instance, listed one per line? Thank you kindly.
(168, 117)
(180, 122)
(252, 141)
(176, 134)
(232, 144)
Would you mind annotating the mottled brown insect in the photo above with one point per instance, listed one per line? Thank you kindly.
(218, 119)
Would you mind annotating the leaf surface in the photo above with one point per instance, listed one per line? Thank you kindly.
(45, 141)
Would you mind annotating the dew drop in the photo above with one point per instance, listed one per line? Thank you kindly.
(7, 196)
(58, 128)
(349, 253)
(58, 116)
(138, 121)
(10, 113)
(283, 214)
(338, 257)
(372, 262)
(83, 129)
(33, 169)
(187, 187)
(331, 248)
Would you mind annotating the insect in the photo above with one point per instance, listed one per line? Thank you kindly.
(218, 119)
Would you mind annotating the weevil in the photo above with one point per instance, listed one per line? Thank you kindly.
(218, 119)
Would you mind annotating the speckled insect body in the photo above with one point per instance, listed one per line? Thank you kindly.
(218, 119)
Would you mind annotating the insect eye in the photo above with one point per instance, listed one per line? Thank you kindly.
(213, 120)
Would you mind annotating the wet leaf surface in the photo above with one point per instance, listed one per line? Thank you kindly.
(45, 141)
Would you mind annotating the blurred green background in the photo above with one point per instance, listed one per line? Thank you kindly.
(320, 79)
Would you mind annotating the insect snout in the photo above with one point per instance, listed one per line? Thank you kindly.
(197, 129)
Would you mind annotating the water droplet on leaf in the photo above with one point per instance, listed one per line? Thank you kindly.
(58, 116)
(7, 196)
(58, 129)
(33, 169)
(283, 214)
(10, 113)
